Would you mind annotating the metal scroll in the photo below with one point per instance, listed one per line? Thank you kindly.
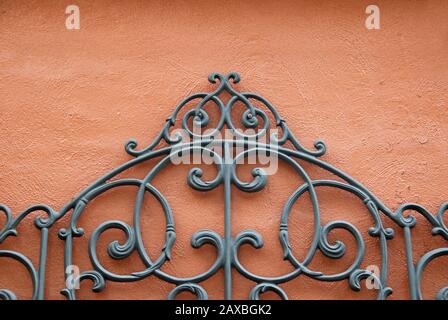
(271, 136)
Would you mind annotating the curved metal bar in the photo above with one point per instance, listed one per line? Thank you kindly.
(11, 224)
(9, 295)
(257, 184)
(360, 274)
(263, 287)
(197, 290)
(422, 263)
(97, 279)
(194, 180)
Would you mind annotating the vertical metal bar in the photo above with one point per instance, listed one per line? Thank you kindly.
(410, 263)
(67, 263)
(384, 261)
(42, 262)
(227, 224)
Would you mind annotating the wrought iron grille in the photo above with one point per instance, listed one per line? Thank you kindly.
(283, 145)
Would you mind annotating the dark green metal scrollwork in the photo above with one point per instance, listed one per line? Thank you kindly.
(168, 147)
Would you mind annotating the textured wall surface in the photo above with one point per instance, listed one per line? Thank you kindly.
(70, 99)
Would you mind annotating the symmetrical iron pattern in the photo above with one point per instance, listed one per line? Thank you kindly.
(286, 147)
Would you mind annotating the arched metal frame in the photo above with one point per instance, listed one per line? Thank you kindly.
(227, 246)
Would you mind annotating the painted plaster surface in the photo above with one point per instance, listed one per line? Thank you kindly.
(70, 99)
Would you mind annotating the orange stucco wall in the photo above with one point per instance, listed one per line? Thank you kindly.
(70, 99)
